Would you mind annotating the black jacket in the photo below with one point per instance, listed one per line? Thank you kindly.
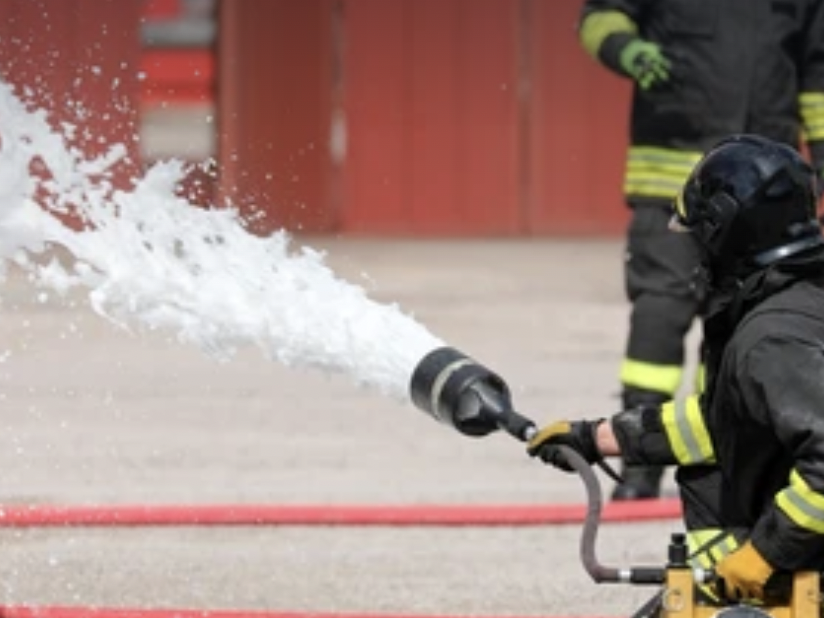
(751, 456)
(764, 410)
(739, 66)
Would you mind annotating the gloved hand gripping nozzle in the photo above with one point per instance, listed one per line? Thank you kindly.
(458, 391)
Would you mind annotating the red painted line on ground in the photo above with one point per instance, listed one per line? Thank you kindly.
(330, 515)
(102, 612)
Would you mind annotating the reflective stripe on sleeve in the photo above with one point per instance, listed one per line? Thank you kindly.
(700, 378)
(708, 546)
(811, 106)
(657, 172)
(599, 25)
(686, 431)
(801, 504)
(651, 377)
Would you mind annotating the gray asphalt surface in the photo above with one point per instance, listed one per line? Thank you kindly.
(94, 415)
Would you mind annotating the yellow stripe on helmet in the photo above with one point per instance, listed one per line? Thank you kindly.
(680, 208)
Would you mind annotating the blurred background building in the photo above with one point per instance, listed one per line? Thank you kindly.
(177, 100)
(370, 117)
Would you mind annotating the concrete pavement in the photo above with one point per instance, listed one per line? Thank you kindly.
(94, 415)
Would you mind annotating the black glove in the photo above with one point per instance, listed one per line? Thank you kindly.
(578, 435)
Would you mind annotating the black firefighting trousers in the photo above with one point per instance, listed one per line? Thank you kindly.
(659, 276)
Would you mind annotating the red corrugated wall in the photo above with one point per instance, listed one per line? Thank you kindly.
(578, 129)
(432, 113)
(461, 117)
(275, 92)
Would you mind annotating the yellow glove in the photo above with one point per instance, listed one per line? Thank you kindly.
(744, 573)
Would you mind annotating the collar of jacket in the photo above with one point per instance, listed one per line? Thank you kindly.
(729, 303)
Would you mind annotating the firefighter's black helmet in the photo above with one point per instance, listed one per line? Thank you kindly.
(750, 202)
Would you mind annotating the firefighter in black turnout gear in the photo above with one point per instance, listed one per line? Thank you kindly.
(702, 70)
(750, 448)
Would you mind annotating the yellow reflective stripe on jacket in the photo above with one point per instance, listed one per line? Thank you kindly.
(599, 25)
(801, 504)
(657, 172)
(811, 105)
(700, 378)
(651, 377)
(708, 546)
(687, 434)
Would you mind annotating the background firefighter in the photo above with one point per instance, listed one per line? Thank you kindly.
(703, 69)
(751, 451)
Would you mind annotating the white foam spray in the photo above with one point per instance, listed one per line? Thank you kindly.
(150, 259)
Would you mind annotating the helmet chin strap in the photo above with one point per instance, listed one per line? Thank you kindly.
(731, 276)
(779, 253)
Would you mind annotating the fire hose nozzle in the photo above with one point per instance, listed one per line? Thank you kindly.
(458, 391)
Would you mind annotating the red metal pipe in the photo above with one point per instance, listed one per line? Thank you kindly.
(330, 515)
